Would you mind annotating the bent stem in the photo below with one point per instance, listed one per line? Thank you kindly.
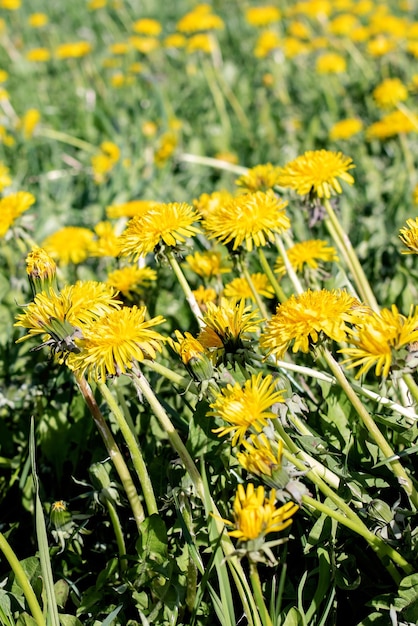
(113, 451)
(134, 449)
(344, 244)
(23, 581)
(369, 423)
(186, 288)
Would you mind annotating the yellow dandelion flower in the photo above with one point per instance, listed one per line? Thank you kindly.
(253, 219)
(412, 48)
(132, 280)
(240, 288)
(256, 516)
(302, 320)
(12, 206)
(119, 48)
(317, 172)
(166, 224)
(147, 26)
(204, 295)
(130, 209)
(4, 76)
(187, 347)
(379, 338)
(105, 160)
(380, 45)
(176, 40)
(227, 327)
(107, 243)
(113, 343)
(37, 20)
(38, 55)
(307, 253)
(262, 16)
(166, 147)
(29, 122)
(5, 180)
(331, 63)
(207, 264)
(259, 458)
(41, 270)
(10, 5)
(389, 93)
(246, 407)
(145, 45)
(94, 5)
(229, 157)
(344, 129)
(200, 19)
(299, 29)
(75, 305)
(259, 178)
(393, 124)
(409, 235)
(70, 244)
(343, 24)
(73, 50)
(201, 42)
(207, 203)
(267, 42)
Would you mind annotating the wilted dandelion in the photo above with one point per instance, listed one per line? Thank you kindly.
(317, 172)
(246, 407)
(302, 319)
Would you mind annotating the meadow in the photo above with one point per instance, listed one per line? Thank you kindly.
(208, 313)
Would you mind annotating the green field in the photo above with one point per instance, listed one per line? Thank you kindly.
(208, 313)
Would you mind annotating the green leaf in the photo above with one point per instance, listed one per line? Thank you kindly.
(294, 618)
(153, 542)
(69, 620)
(61, 588)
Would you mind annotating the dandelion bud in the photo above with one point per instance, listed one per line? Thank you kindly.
(41, 269)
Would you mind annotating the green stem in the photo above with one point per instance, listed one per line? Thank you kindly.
(211, 162)
(289, 267)
(175, 378)
(412, 386)
(113, 451)
(281, 296)
(117, 529)
(371, 426)
(348, 251)
(254, 291)
(186, 288)
(218, 99)
(258, 595)
(134, 448)
(23, 581)
(50, 133)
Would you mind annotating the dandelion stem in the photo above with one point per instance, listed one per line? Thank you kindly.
(254, 291)
(289, 267)
(412, 386)
(23, 581)
(281, 296)
(186, 288)
(51, 133)
(349, 254)
(258, 595)
(134, 449)
(371, 426)
(113, 451)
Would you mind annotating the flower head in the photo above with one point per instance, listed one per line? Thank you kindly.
(111, 344)
(70, 244)
(108, 243)
(164, 225)
(246, 407)
(307, 254)
(389, 93)
(252, 219)
(259, 458)
(380, 339)
(409, 236)
(255, 515)
(11, 207)
(393, 124)
(73, 50)
(331, 63)
(302, 319)
(130, 209)
(41, 269)
(317, 172)
(193, 355)
(207, 203)
(207, 264)
(5, 180)
(344, 129)
(240, 288)
(262, 16)
(259, 178)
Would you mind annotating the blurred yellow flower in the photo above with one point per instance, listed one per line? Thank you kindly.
(119, 48)
(73, 50)
(303, 319)
(307, 253)
(343, 24)
(204, 295)
(38, 55)
(70, 244)
(381, 45)
(251, 219)
(107, 242)
(262, 16)
(176, 40)
(239, 287)
(207, 264)
(130, 209)
(29, 122)
(113, 343)
(10, 5)
(259, 178)
(165, 148)
(200, 19)
(246, 407)
(344, 129)
(317, 172)
(132, 280)
(104, 161)
(208, 203)
(3, 76)
(331, 63)
(5, 180)
(389, 93)
(393, 124)
(147, 26)
(37, 20)
(200, 42)
(267, 41)
(145, 45)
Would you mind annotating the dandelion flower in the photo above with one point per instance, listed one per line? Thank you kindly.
(259, 458)
(29, 123)
(12, 206)
(259, 178)
(253, 219)
(409, 236)
(246, 407)
(378, 340)
(317, 172)
(5, 180)
(207, 264)
(165, 224)
(389, 93)
(302, 319)
(147, 26)
(112, 344)
(38, 55)
(203, 295)
(41, 270)
(37, 20)
(73, 50)
(344, 129)
(240, 288)
(207, 203)
(256, 516)
(70, 244)
(262, 16)
(130, 209)
(307, 254)
(132, 280)
(108, 243)
(331, 63)
(393, 124)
